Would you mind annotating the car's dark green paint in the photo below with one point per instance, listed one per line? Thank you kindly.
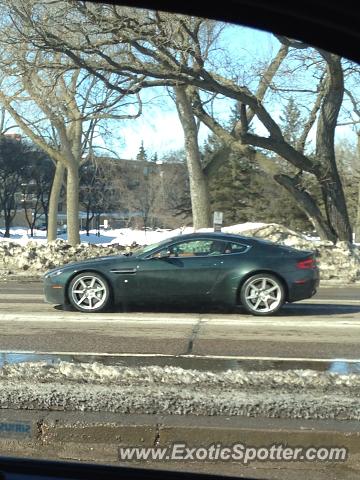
(217, 277)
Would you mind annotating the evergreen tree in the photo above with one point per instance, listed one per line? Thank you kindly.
(291, 122)
(229, 192)
(245, 194)
(142, 155)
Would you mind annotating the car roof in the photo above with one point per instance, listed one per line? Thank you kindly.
(215, 236)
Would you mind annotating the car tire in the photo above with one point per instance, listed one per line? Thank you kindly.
(262, 294)
(89, 292)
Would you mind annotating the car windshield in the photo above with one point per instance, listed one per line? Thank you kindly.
(147, 248)
(179, 242)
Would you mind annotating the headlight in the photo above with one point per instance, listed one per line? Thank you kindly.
(53, 274)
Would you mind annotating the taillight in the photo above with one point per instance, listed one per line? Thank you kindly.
(305, 264)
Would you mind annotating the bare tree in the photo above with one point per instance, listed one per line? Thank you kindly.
(12, 174)
(39, 91)
(98, 188)
(147, 193)
(36, 188)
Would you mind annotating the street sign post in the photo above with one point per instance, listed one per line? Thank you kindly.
(218, 221)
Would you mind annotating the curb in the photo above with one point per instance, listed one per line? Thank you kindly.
(96, 437)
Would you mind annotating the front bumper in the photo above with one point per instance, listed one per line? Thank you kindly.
(54, 291)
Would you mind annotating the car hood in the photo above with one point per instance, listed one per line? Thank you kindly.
(90, 261)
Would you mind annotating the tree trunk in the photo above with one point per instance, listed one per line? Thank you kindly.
(28, 220)
(8, 216)
(327, 174)
(89, 217)
(308, 206)
(199, 192)
(98, 224)
(357, 222)
(45, 209)
(7, 222)
(336, 209)
(72, 205)
(54, 202)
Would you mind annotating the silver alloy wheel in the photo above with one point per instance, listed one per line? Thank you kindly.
(263, 295)
(89, 292)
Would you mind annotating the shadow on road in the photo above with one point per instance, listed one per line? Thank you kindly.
(158, 309)
(314, 309)
(293, 309)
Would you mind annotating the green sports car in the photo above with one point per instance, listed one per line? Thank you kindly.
(215, 268)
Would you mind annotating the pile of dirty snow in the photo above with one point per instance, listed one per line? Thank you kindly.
(36, 258)
(340, 262)
(176, 391)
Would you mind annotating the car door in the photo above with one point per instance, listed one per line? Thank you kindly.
(188, 273)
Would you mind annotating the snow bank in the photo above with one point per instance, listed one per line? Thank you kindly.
(172, 390)
(98, 373)
(36, 258)
(340, 262)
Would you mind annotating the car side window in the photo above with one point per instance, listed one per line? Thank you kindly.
(192, 248)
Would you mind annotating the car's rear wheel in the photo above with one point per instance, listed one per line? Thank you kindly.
(262, 294)
(89, 292)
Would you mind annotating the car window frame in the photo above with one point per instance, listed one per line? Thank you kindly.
(149, 256)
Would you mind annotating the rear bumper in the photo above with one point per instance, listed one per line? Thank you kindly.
(303, 288)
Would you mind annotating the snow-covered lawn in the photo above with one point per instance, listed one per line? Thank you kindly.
(121, 236)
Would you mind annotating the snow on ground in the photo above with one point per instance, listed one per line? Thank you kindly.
(96, 372)
(156, 390)
(121, 236)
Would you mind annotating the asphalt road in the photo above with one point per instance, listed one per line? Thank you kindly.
(325, 327)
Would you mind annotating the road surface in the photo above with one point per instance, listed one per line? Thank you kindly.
(325, 327)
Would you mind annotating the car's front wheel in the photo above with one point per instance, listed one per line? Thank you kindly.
(262, 294)
(89, 292)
